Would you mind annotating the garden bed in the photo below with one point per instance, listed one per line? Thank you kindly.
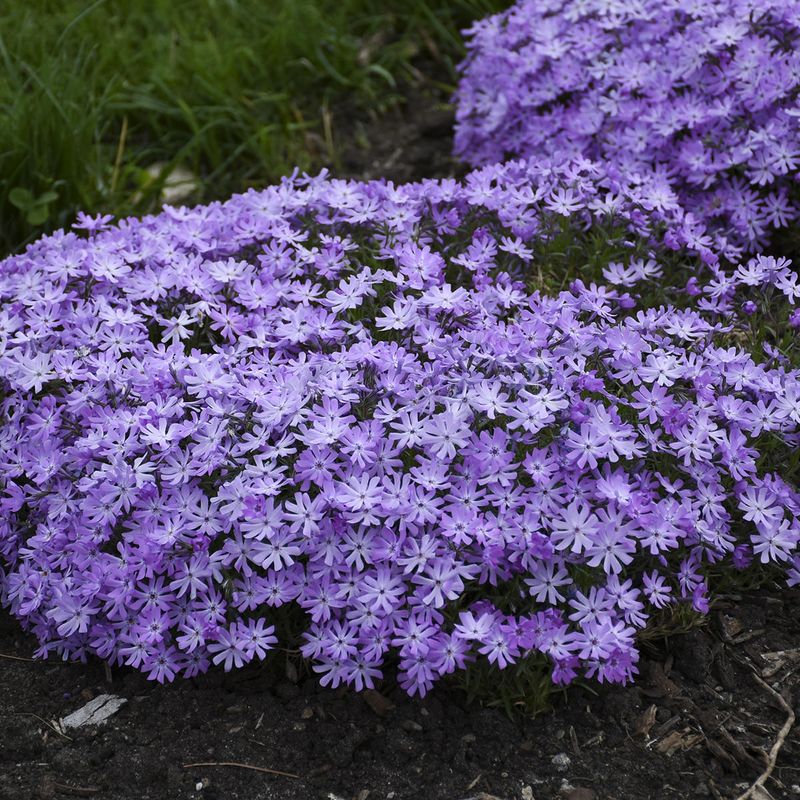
(696, 724)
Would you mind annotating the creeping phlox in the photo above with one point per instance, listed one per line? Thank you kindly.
(342, 399)
(703, 93)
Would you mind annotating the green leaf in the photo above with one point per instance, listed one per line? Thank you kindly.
(37, 215)
(377, 69)
(47, 197)
(20, 198)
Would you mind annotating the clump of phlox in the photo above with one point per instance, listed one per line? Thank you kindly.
(703, 93)
(344, 400)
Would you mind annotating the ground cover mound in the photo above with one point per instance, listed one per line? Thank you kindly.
(705, 94)
(340, 401)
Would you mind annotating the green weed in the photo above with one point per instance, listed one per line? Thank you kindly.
(237, 92)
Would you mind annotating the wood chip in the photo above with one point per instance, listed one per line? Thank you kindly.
(666, 727)
(377, 702)
(580, 793)
(678, 740)
(730, 624)
(728, 762)
(95, 712)
(777, 660)
(645, 722)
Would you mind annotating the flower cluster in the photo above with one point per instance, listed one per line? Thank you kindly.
(343, 399)
(704, 93)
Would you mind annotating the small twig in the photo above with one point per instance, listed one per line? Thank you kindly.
(779, 742)
(474, 783)
(596, 739)
(243, 766)
(746, 637)
(16, 658)
(44, 722)
(573, 738)
(791, 653)
(255, 741)
(714, 791)
(78, 791)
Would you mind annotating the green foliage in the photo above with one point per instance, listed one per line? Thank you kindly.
(522, 688)
(239, 92)
(35, 209)
(673, 620)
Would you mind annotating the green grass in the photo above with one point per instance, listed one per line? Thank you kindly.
(236, 91)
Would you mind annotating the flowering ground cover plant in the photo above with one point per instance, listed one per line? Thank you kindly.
(347, 401)
(705, 93)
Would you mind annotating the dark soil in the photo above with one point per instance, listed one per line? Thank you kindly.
(411, 141)
(697, 724)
